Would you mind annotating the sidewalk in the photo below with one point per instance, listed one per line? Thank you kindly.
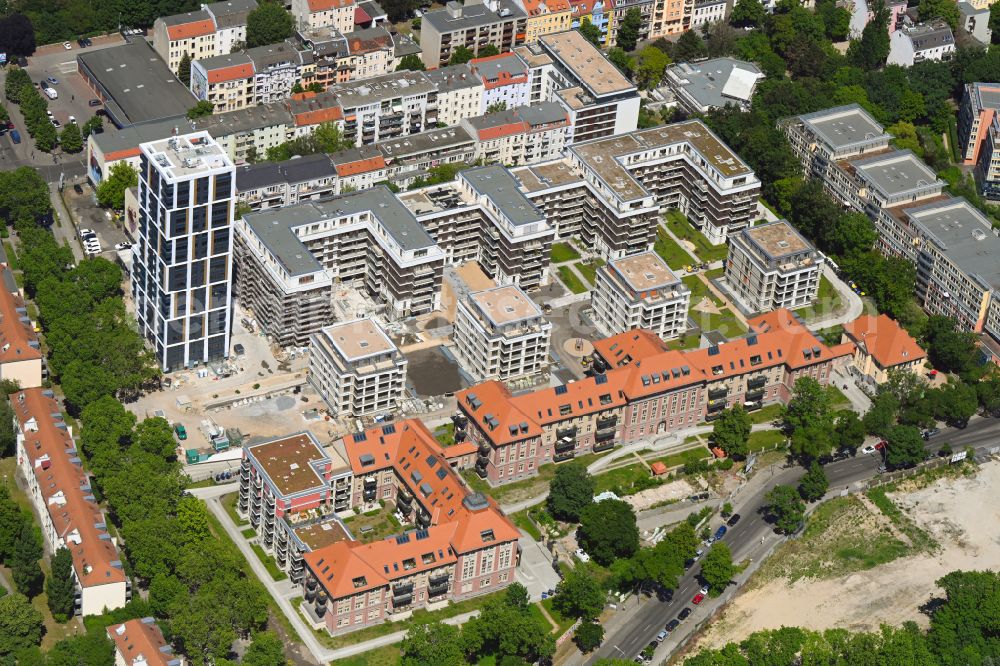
(855, 306)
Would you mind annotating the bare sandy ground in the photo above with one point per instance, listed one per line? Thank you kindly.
(962, 515)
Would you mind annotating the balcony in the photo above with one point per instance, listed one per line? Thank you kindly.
(404, 499)
(607, 422)
(712, 416)
(562, 457)
(605, 435)
(604, 446)
(402, 589)
(399, 602)
(484, 449)
(566, 433)
(716, 406)
(716, 394)
(437, 587)
(754, 396)
(752, 406)
(565, 445)
(755, 383)
(369, 495)
(405, 508)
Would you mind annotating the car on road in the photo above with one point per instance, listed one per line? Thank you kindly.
(673, 624)
(72, 119)
(15, 136)
(704, 589)
(733, 519)
(67, 46)
(868, 449)
(582, 555)
(660, 636)
(51, 80)
(721, 532)
(698, 598)
(10, 124)
(92, 249)
(55, 123)
(94, 102)
(77, 188)
(930, 432)
(123, 246)
(683, 615)
(51, 93)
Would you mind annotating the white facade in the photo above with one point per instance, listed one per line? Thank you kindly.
(501, 334)
(356, 368)
(182, 268)
(708, 12)
(640, 291)
(926, 41)
(772, 266)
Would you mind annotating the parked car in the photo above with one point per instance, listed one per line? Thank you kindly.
(733, 519)
(55, 123)
(660, 636)
(123, 246)
(77, 188)
(94, 102)
(15, 136)
(51, 93)
(698, 598)
(181, 432)
(582, 555)
(683, 615)
(704, 589)
(67, 46)
(81, 43)
(52, 80)
(721, 532)
(84, 231)
(673, 624)
(930, 432)
(867, 449)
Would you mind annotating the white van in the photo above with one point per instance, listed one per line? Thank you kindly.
(51, 93)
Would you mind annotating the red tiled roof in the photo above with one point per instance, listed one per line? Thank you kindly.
(460, 449)
(231, 73)
(361, 16)
(16, 336)
(507, 129)
(887, 342)
(625, 347)
(198, 28)
(326, 5)
(361, 166)
(65, 488)
(143, 639)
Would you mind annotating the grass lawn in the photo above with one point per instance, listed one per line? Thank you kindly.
(570, 279)
(715, 273)
(831, 336)
(12, 262)
(725, 322)
(383, 656)
(8, 467)
(269, 563)
(229, 504)
(445, 434)
(828, 302)
(765, 439)
(699, 290)
(382, 522)
(524, 488)
(707, 252)
(588, 269)
(672, 253)
(837, 398)
(562, 252)
(767, 413)
(622, 479)
(249, 533)
(204, 483)
(676, 459)
(690, 341)
(526, 525)
(564, 622)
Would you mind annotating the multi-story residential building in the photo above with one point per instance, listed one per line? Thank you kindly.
(595, 12)
(599, 99)
(181, 270)
(505, 81)
(641, 389)
(617, 11)
(546, 17)
(500, 333)
(824, 138)
(276, 70)
(684, 165)
(881, 346)
(498, 22)
(988, 162)
(216, 29)
(313, 14)
(980, 103)
(291, 489)
(707, 12)
(227, 81)
(975, 23)
(459, 94)
(269, 184)
(288, 259)
(140, 642)
(59, 490)
(385, 107)
(559, 191)
(246, 135)
(408, 157)
(772, 266)
(523, 135)
(702, 86)
(356, 368)
(672, 17)
(640, 291)
(911, 44)
(21, 357)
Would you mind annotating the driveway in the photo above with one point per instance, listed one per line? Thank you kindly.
(535, 571)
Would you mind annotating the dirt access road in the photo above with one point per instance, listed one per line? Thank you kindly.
(961, 515)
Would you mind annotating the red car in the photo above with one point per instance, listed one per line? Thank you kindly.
(881, 445)
(698, 598)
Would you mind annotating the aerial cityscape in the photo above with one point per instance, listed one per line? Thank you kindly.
(499, 332)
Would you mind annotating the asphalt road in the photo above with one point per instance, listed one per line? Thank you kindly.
(753, 534)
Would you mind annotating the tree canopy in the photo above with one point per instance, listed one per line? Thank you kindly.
(731, 431)
(628, 29)
(608, 531)
(785, 508)
(571, 491)
(111, 190)
(717, 569)
(269, 23)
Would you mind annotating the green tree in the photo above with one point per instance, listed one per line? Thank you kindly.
(184, 69)
(942, 9)
(836, 20)
(951, 350)
(905, 446)
(964, 628)
(731, 431)
(956, 403)
(269, 23)
(628, 29)
(747, 14)
(111, 190)
(17, 78)
(516, 596)
(579, 595)
(689, 46)
(24, 566)
(608, 531)
(995, 22)
(496, 107)
(192, 518)
(488, 51)
(718, 569)
(70, 138)
(46, 137)
(808, 419)
(461, 55)
(432, 643)
(329, 138)
(24, 196)
(570, 492)
(988, 393)
(591, 32)
(621, 60)
(412, 62)
(814, 484)
(650, 66)
(265, 650)
(785, 508)
(201, 109)
(60, 587)
(850, 431)
(20, 624)
(503, 629)
(588, 636)
(881, 416)
(93, 126)
(871, 51)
